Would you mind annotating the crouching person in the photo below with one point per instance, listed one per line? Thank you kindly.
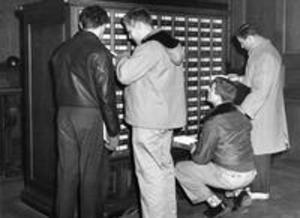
(223, 156)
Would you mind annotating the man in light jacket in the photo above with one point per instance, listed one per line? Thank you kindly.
(264, 105)
(154, 106)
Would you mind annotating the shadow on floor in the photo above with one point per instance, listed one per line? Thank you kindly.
(284, 202)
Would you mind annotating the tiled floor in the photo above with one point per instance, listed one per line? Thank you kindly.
(284, 202)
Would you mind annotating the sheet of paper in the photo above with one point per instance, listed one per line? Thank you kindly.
(105, 134)
(184, 142)
(185, 139)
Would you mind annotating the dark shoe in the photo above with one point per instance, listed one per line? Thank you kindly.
(242, 200)
(217, 212)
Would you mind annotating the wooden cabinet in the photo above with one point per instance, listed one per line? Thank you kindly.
(201, 26)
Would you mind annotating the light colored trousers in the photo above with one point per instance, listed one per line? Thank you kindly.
(154, 169)
(194, 179)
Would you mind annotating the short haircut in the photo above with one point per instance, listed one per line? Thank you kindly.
(231, 91)
(225, 88)
(93, 16)
(246, 30)
(137, 15)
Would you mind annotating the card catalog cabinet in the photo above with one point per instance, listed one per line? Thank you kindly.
(203, 32)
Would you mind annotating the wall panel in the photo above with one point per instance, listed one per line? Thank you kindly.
(9, 28)
(292, 31)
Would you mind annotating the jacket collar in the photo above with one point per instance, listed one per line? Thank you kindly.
(220, 109)
(260, 41)
(162, 37)
(87, 35)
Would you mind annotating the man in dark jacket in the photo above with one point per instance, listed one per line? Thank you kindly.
(223, 157)
(85, 94)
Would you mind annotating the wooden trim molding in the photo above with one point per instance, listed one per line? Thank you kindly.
(291, 30)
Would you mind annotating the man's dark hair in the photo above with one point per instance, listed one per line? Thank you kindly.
(246, 30)
(225, 88)
(231, 91)
(93, 17)
(137, 15)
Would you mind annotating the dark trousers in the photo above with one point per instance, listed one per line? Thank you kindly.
(261, 182)
(82, 163)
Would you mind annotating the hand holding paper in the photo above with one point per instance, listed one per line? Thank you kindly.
(113, 143)
(185, 142)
